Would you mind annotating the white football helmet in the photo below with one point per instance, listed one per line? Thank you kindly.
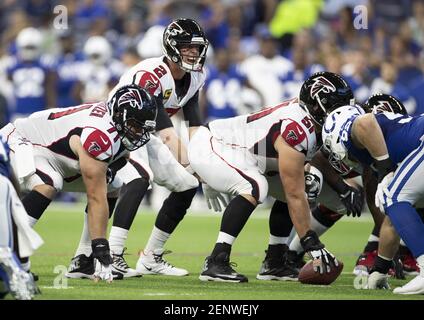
(98, 50)
(334, 135)
(28, 43)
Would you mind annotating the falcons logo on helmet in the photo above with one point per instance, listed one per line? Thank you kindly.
(321, 84)
(132, 96)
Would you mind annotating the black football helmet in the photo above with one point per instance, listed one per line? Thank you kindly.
(184, 32)
(382, 102)
(323, 92)
(133, 112)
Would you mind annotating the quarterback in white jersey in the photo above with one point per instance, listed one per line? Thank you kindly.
(58, 146)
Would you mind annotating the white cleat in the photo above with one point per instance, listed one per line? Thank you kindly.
(153, 263)
(120, 266)
(415, 286)
(19, 282)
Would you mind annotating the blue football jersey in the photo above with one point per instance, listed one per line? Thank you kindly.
(28, 80)
(402, 135)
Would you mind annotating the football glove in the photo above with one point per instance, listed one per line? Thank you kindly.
(381, 189)
(313, 184)
(102, 260)
(353, 200)
(322, 259)
(214, 198)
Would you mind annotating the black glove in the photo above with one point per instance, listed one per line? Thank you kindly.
(322, 259)
(101, 251)
(382, 168)
(353, 200)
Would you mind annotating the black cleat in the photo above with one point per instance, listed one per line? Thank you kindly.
(275, 266)
(81, 267)
(295, 260)
(219, 268)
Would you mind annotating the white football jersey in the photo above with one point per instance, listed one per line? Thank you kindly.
(155, 75)
(52, 129)
(258, 131)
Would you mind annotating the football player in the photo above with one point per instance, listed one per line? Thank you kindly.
(175, 79)
(70, 149)
(235, 155)
(338, 198)
(13, 226)
(331, 207)
(392, 144)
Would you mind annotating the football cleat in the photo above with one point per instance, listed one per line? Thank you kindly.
(153, 263)
(415, 286)
(18, 282)
(364, 263)
(277, 270)
(81, 267)
(295, 260)
(219, 268)
(410, 266)
(121, 267)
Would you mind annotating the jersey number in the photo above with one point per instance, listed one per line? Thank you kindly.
(308, 124)
(160, 71)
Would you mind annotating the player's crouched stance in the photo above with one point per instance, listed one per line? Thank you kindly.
(13, 278)
(70, 149)
(234, 156)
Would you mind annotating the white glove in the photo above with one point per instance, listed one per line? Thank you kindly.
(377, 280)
(213, 198)
(102, 272)
(382, 188)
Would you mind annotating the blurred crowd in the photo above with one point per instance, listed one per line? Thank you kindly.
(61, 53)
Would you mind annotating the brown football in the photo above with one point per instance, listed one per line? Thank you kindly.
(307, 274)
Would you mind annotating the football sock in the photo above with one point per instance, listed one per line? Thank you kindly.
(280, 224)
(234, 218)
(84, 246)
(372, 244)
(173, 210)
(129, 200)
(35, 204)
(156, 240)
(117, 238)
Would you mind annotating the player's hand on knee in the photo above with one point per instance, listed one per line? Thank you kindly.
(377, 280)
(382, 189)
(214, 198)
(102, 260)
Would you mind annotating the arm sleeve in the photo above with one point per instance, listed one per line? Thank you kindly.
(191, 111)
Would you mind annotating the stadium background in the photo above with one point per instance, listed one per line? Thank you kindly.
(261, 51)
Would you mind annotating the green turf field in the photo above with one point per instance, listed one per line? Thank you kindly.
(190, 244)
